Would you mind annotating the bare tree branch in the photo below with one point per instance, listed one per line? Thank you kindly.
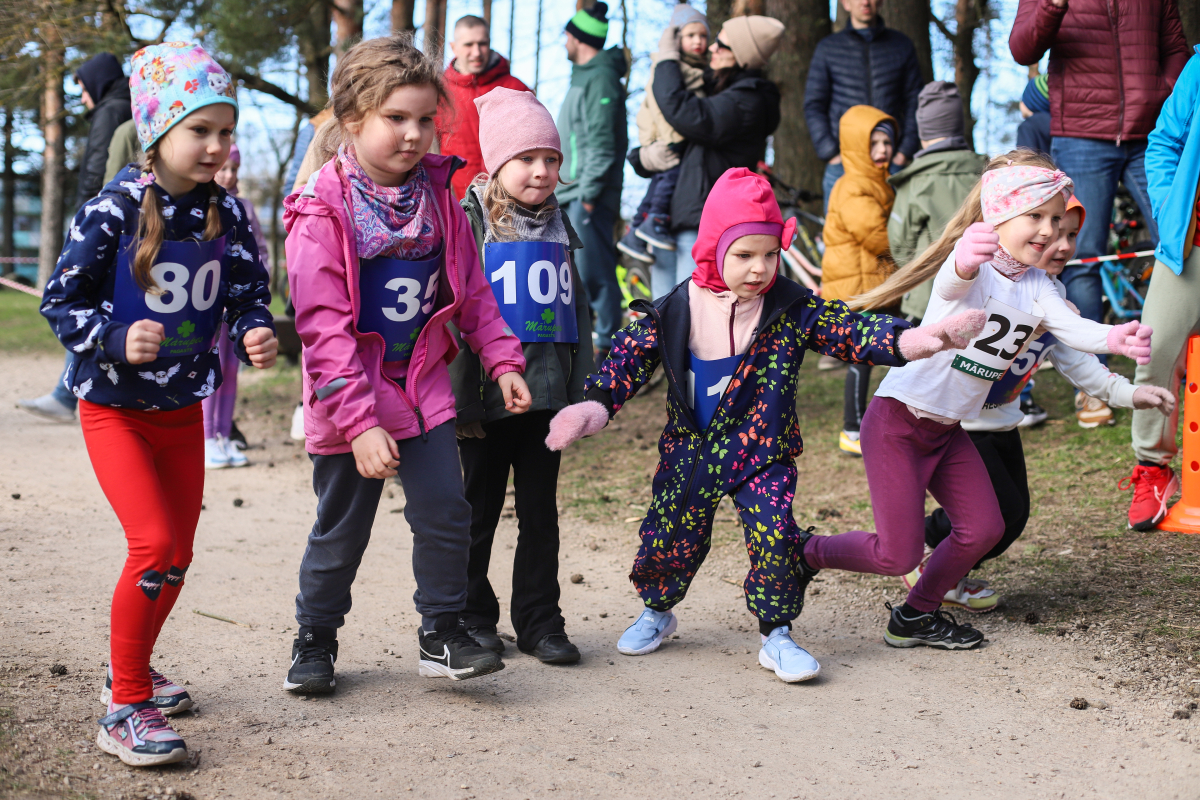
(254, 82)
(941, 26)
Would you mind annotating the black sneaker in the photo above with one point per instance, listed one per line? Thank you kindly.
(804, 573)
(938, 629)
(486, 636)
(449, 652)
(554, 648)
(1033, 414)
(313, 654)
(655, 232)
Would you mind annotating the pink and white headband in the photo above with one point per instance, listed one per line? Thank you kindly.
(1011, 191)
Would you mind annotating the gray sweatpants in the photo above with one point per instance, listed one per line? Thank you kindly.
(1172, 310)
(435, 507)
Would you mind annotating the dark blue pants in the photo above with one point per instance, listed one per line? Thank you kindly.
(1096, 166)
(435, 508)
(597, 263)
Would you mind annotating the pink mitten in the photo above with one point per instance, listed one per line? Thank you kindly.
(951, 333)
(575, 422)
(1132, 340)
(977, 246)
(1154, 397)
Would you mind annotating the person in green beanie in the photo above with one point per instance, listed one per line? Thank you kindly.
(591, 124)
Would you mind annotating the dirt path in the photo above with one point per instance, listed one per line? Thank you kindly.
(699, 718)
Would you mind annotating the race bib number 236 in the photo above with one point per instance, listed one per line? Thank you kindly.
(989, 354)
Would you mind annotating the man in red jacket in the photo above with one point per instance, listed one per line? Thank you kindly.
(475, 71)
(1112, 64)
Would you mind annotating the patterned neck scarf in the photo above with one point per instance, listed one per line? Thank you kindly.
(1004, 263)
(394, 221)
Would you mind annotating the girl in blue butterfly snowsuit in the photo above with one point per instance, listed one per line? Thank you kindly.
(753, 329)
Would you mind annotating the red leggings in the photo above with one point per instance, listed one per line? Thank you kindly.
(151, 468)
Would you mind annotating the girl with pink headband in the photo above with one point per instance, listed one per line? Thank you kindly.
(912, 435)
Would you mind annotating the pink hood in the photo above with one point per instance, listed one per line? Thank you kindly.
(345, 389)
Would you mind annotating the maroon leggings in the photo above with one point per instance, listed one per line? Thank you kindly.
(904, 457)
(151, 468)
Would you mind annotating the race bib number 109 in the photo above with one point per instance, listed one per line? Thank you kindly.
(990, 353)
(534, 289)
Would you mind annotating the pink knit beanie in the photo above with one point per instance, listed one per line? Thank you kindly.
(510, 123)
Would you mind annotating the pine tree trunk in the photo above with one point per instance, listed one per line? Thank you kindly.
(9, 225)
(348, 19)
(970, 15)
(806, 23)
(54, 135)
(911, 17)
(402, 16)
(487, 12)
(313, 38)
(435, 26)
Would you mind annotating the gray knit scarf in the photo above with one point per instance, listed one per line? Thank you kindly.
(543, 225)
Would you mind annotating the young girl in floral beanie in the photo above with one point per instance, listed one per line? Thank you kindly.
(912, 437)
(151, 269)
(526, 249)
(731, 340)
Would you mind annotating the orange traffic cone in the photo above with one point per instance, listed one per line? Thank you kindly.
(1184, 516)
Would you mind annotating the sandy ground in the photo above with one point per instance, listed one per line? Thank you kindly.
(698, 718)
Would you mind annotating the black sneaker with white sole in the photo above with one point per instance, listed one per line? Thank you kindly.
(448, 651)
(313, 654)
(938, 629)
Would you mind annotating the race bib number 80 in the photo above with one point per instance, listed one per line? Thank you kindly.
(190, 277)
(990, 353)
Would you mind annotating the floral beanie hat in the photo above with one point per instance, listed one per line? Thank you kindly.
(171, 80)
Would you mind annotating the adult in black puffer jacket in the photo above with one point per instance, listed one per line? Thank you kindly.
(727, 128)
(108, 91)
(865, 63)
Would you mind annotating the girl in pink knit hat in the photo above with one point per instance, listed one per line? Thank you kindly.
(526, 247)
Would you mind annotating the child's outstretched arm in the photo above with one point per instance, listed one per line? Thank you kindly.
(1130, 339)
(1085, 372)
(880, 339)
(248, 312)
(630, 364)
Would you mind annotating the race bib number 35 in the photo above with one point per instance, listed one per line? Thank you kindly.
(192, 282)
(534, 288)
(990, 353)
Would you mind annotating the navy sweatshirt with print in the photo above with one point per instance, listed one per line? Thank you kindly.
(78, 300)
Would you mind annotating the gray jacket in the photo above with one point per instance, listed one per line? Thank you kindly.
(554, 371)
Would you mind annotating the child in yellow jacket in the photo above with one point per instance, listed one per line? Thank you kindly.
(856, 243)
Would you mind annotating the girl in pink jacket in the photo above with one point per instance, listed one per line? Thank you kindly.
(381, 259)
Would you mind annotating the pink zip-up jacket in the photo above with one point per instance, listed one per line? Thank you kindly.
(345, 389)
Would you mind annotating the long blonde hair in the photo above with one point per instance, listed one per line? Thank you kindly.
(926, 265)
(152, 228)
(366, 76)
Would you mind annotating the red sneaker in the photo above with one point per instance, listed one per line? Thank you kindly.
(1153, 488)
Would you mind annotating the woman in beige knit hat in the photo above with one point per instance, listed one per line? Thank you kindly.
(728, 127)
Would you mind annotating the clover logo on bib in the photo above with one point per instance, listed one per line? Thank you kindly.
(548, 316)
(185, 330)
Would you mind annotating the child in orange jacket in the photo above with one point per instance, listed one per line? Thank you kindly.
(856, 244)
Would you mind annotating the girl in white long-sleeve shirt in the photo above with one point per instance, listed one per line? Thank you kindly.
(998, 439)
(913, 439)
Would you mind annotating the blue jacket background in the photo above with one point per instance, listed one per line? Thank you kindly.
(1173, 167)
(79, 296)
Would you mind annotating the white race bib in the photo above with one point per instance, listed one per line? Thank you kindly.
(989, 354)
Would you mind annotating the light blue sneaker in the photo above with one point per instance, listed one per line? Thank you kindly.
(789, 661)
(646, 634)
